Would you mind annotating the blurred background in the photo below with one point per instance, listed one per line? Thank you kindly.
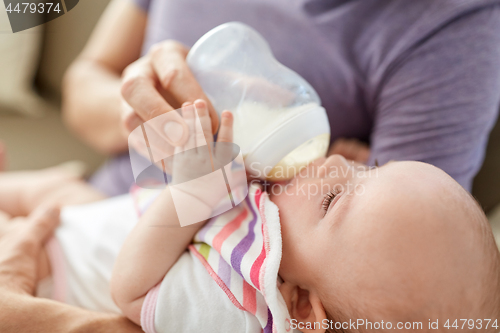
(32, 64)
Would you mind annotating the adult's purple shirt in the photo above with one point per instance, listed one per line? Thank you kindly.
(418, 80)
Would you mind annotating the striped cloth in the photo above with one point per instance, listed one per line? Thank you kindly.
(241, 250)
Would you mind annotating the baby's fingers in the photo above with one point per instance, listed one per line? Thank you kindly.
(226, 127)
(205, 121)
(224, 145)
(188, 114)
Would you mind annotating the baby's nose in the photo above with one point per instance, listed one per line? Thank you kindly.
(334, 161)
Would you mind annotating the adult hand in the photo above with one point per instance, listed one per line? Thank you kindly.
(351, 149)
(21, 242)
(160, 82)
(21, 247)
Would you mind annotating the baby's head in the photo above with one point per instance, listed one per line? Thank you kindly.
(400, 243)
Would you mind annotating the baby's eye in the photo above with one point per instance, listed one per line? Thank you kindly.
(329, 198)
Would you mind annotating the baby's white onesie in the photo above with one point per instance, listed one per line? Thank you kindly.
(193, 297)
(82, 255)
(240, 250)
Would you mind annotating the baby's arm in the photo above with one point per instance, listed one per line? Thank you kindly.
(151, 249)
(155, 244)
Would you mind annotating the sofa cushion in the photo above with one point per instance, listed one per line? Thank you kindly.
(19, 56)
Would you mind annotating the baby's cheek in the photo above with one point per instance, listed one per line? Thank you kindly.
(292, 208)
(300, 263)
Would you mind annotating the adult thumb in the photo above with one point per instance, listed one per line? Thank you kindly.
(42, 223)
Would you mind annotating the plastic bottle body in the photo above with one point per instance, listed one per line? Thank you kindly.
(271, 104)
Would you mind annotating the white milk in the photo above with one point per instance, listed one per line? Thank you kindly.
(254, 121)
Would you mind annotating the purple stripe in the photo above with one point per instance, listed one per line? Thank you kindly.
(269, 326)
(224, 272)
(242, 248)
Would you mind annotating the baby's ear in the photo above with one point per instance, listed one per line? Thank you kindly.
(305, 308)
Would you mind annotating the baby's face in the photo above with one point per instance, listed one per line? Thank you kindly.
(313, 210)
(369, 235)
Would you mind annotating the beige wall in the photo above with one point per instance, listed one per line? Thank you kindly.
(44, 141)
(64, 38)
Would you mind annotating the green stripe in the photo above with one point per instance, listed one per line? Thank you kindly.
(204, 250)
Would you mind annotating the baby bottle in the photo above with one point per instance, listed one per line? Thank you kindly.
(279, 122)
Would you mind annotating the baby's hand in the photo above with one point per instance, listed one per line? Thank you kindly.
(196, 167)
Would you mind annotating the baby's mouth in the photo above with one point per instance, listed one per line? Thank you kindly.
(283, 182)
(280, 281)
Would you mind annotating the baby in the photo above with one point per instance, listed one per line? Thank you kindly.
(338, 244)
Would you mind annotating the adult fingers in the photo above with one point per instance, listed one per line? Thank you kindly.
(5, 223)
(42, 223)
(169, 62)
(139, 92)
(35, 231)
(130, 119)
(351, 149)
(21, 247)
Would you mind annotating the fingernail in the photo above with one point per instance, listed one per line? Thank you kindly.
(132, 122)
(199, 103)
(173, 131)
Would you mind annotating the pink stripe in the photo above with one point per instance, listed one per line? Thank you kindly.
(228, 229)
(255, 271)
(148, 309)
(133, 192)
(258, 195)
(249, 298)
(267, 248)
(216, 278)
(58, 268)
(256, 267)
(265, 237)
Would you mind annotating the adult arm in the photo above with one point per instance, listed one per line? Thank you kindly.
(25, 313)
(440, 102)
(109, 90)
(20, 246)
(92, 105)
